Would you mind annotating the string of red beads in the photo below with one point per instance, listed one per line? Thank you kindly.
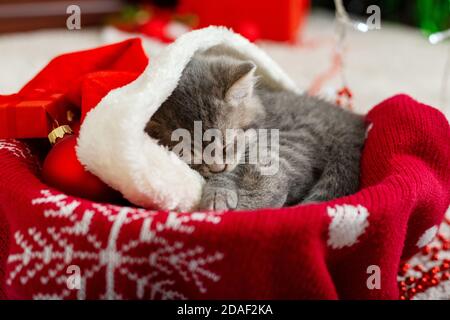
(433, 270)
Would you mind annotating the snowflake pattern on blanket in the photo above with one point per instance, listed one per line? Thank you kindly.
(16, 148)
(151, 264)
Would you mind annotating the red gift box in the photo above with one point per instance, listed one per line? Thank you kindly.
(68, 87)
(266, 19)
(25, 117)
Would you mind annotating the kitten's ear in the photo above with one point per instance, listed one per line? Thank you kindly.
(243, 81)
(153, 128)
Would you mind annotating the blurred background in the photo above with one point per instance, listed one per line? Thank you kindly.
(301, 35)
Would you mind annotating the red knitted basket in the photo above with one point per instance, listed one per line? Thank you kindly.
(56, 246)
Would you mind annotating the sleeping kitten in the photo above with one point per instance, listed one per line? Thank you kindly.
(319, 143)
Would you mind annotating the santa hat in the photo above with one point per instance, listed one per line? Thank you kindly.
(112, 142)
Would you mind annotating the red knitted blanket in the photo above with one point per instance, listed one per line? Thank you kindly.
(56, 246)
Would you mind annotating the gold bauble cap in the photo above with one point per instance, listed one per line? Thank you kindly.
(58, 133)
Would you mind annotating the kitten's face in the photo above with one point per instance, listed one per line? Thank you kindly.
(216, 91)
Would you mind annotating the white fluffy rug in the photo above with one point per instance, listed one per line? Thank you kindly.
(395, 59)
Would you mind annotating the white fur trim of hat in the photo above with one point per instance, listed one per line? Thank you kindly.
(113, 145)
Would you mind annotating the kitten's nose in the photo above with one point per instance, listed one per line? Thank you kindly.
(217, 168)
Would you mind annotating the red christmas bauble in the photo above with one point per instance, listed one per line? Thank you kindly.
(76, 127)
(63, 171)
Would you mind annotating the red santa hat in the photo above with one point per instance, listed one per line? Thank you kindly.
(112, 143)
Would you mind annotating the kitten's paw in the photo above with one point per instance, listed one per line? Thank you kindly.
(218, 199)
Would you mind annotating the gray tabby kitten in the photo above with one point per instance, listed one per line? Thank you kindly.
(319, 143)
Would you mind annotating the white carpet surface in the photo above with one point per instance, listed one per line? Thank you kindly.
(395, 59)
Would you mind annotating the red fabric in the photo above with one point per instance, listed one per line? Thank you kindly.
(290, 253)
(77, 79)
